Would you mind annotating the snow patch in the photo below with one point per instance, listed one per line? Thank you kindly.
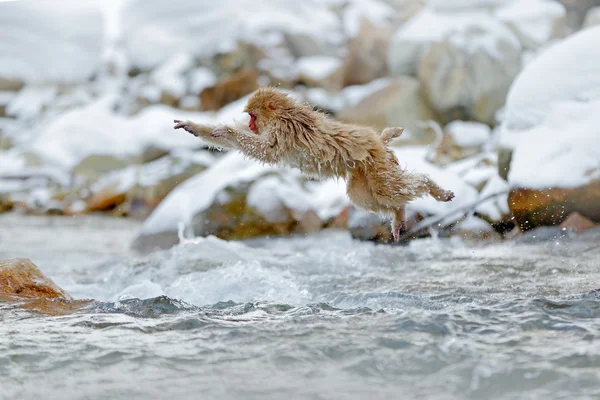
(50, 40)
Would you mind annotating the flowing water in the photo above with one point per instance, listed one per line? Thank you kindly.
(317, 317)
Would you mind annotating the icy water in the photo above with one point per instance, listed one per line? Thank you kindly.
(318, 317)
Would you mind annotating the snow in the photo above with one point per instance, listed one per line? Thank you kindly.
(557, 75)
(30, 101)
(156, 30)
(497, 206)
(95, 130)
(469, 134)
(318, 67)
(460, 5)
(50, 40)
(201, 78)
(552, 116)
(562, 151)
(169, 75)
(356, 93)
(532, 19)
(376, 12)
(471, 31)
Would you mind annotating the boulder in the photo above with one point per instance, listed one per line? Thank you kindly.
(138, 190)
(577, 223)
(553, 134)
(454, 54)
(321, 71)
(367, 55)
(228, 89)
(456, 79)
(592, 18)
(535, 22)
(540, 207)
(23, 285)
(21, 278)
(398, 103)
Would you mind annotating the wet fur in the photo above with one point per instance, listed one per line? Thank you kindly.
(295, 135)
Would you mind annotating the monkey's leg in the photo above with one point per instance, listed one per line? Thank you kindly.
(438, 193)
(398, 224)
(202, 131)
(249, 143)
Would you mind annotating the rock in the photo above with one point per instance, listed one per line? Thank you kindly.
(22, 285)
(303, 45)
(10, 84)
(244, 56)
(21, 278)
(138, 190)
(455, 59)
(321, 71)
(91, 167)
(456, 80)
(553, 134)
(399, 103)
(535, 22)
(475, 229)
(367, 55)
(229, 89)
(539, 207)
(367, 226)
(577, 223)
(239, 198)
(592, 17)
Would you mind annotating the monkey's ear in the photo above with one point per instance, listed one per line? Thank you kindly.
(271, 106)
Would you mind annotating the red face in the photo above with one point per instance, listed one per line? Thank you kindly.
(252, 123)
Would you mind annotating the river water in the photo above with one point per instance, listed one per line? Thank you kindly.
(316, 317)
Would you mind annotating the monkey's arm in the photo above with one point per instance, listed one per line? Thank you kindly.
(204, 132)
(257, 146)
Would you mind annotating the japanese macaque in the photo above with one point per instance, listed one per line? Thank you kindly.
(284, 132)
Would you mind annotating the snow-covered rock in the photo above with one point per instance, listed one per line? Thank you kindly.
(470, 31)
(551, 123)
(557, 75)
(454, 54)
(535, 22)
(398, 102)
(468, 134)
(48, 41)
(240, 198)
(95, 130)
(205, 27)
(592, 17)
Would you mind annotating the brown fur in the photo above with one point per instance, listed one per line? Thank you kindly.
(295, 135)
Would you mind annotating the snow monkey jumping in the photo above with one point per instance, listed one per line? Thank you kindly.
(283, 132)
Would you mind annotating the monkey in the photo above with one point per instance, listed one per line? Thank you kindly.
(284, 132)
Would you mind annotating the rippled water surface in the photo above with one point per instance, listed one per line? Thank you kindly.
(318, 317)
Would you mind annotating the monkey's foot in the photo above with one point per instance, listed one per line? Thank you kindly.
(398, 231)
(448, 195)
(185, 125)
